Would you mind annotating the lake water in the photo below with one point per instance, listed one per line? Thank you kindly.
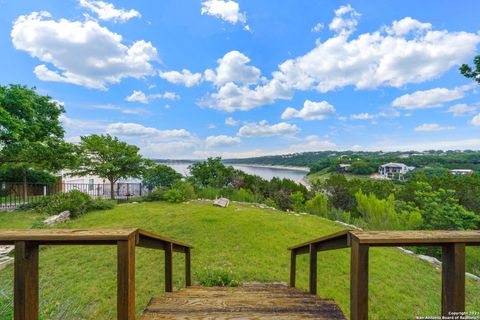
(264, 172)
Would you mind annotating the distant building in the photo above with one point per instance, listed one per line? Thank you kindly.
(461, 171)
(343, 167)
(394, 170)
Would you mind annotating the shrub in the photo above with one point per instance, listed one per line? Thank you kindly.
(186, 189)
(217, 277)
(244, 195)
(74, 201)
(210, 193)
(318, 205)
(269, 202)
(297, 200)
(379, 214)
(173, 195)
(100, 204)
(156, 195)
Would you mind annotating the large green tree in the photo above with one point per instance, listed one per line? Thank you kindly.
(472, 73)
(109, 158)
(31, 135)
(160, 175)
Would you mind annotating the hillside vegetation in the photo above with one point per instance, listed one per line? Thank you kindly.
(79, 282)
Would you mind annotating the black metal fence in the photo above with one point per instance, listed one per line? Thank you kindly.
(13, 195)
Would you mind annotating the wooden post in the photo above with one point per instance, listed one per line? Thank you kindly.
(313, 269)
(188, 277)
(168, 267)
(359, 281)
(26, 281)
(453, 278)
(293, 268)
(126, 279)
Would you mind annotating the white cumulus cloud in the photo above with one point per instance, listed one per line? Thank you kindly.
(140, 96)
(82, 53)
(264, 129)
(222, 141)
(363, 116)
(228, 11)
(232, 67)
(107, 11)
(407, 51)
(311, 111)
(431, 98)
(231, 121)
(186, 77)
(476, 120)
(428, 127)
(345, 20)
(129, 129)
(461, 109)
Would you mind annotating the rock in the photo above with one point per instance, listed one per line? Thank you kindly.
(472, 276)
(429, 259)
(62, 217)
(5, 261)
(5, 250)
(221, 202)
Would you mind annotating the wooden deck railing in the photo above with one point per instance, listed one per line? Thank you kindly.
(27, 244)
(453, 261)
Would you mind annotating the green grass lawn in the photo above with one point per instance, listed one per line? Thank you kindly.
(80, 281)
(324, 175)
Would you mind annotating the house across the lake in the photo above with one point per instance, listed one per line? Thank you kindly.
(343, 167)
(394, 170)
(461, 171)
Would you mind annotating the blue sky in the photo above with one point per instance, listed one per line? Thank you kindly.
(191, 79)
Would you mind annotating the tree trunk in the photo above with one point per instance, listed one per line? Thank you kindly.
(112, 189)
(25, 186)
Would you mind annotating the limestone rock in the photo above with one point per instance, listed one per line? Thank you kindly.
(221, 202)
(62, 217)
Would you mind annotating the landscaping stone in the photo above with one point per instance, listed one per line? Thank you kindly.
(62, 217)
(221, 202)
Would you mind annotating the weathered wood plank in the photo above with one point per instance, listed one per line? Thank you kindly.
(169, 268)
(89, 236)
(416, 236)
(254, 301)
(293, 268)
(313, 269)
(188, 268)
(453, 278)
(359, 281)
(126, 280)
(26, 283)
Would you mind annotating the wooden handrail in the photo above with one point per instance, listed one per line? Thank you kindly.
(27, 244)
(453, 261)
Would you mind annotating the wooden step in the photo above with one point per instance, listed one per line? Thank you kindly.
(251, 301)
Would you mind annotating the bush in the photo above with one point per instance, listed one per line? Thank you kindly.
(244, 195)
(186, 189)
(74, 201)
(101, 204)
(318, 205)
(217, 278)
(173, 195)
(379, 214)
(297, 200)
(210, 193)
(269, 202)
(156, 195)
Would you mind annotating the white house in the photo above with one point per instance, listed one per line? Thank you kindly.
(461, 171)
(393, 169)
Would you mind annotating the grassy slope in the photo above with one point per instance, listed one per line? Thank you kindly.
(249, 241)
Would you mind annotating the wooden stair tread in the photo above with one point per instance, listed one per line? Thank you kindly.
(252, 301)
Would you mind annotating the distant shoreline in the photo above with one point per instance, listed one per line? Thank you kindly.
(305, 169)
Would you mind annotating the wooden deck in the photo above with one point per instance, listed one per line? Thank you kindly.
(252, 301)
